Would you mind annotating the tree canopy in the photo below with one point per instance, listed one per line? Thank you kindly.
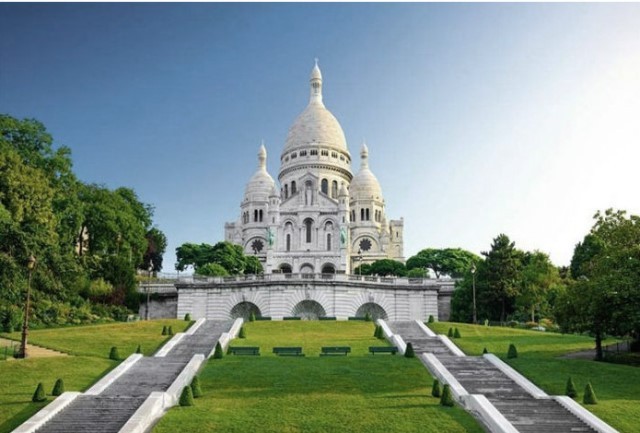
(453, 262)
(229, 256)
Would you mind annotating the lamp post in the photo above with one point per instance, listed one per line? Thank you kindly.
(255, 265)
(146, 307)
(473, 278)
(359, 262)
(31, 264)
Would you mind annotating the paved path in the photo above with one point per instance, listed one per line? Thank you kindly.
(479, 376)
(108, 411)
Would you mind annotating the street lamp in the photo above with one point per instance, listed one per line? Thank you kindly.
(146, 307)
(31, 264)
(359, 262)
(473, 278)
(255, 254)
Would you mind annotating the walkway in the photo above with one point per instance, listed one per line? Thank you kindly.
(478, 376)
(108, 411)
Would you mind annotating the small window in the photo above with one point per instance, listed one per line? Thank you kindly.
(367, 214)
(286, 191)
(334, 189)
(313, 152)
(324, 186)
(293, 187)
(288, 242)
(328, 241)
(341, 158)
(334, 154)
(294, 155)
(303, 153)
(286, 159)
(324, 152)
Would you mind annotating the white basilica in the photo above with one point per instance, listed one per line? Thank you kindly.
(322, 219)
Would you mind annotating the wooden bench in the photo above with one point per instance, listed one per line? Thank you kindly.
(244, 350)
(383, 349)
(335, 350)
(288, 351)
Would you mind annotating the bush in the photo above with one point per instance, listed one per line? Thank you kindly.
(512, 352)
(39, 396)
(485, 351)
(170, 330)
(512, 323)
(113, 354)
(456, 334)
(186, 398)
(409, 353)
(571, 388)
(164, 330)
(138, 349)
(486, 322)
(195, 387)
(450, 333)
(589, 395)
(367, 317)
(242, 333)
(252, 317)
(431, 319)
(435, 389)
(58, 388)
(187, 317)
(446, 399)
(218, 354)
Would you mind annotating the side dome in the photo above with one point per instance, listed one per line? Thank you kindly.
(261, 185)
(365, 185)
(315, 125)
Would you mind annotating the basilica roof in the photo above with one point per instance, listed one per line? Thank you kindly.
(261, 185)
(365, 185)
(315, 125)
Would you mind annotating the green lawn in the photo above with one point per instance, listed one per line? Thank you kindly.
(357, 393)
(89, 344)
(617, 386)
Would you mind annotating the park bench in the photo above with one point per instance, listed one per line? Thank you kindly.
(383, 349)
(335, 350)
(244, 350)
(288, 351)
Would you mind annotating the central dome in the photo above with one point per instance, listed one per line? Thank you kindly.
(315, 126)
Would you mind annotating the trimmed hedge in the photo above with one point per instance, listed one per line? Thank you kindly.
(456, 334)
(589, 395)
(242, 333)
(195, 387)
(186, 398)
(218, 354)
(38, 395)
(512, 352)
(187, 317)
(435, 389)
(58, 388)
(409, 353)
(571, 388)
(431, 319)
(113, 354)
(450, 333)
(164, 330)
(447, 398)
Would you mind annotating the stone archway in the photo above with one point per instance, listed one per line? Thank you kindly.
(308, 310)
(328, 268)
(375, 311)
(285, 268)
(306, 268)
(244, 310)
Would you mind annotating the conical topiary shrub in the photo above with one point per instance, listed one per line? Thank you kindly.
(170, 331)
(195, 387)
(381, 333)
(242, 333)
(435, 389)
(456, 333)
(138, 349)
(571, 388)
(376, 333)
(589, 395)
(252, 317)
(485, 351)
(450, 333)
(186, 398)
(187, 317)
(164, 330)
(512, 352)
(409, 353)
(218, 354)
(39, 396)
(367, 317)
(446, 399)
(113, 354)
(431, 319)
(58, 388)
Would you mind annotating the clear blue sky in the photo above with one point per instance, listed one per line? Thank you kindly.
(480, 118)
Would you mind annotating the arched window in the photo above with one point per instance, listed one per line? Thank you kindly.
(293, 187)
(353, 216)
(308, 223)
(367, 214)
(362, 214)
(324, 186)
(255, 215)
(328, 241)
(288, 242)
(260, 215)
(286, 191)
(334, 189)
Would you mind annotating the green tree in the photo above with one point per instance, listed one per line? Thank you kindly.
(387, 267)
(501, 271)
(538, 277)
(454, 262)
(156, 246)
(212, 270)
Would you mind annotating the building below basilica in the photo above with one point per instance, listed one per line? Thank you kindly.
(321, 218)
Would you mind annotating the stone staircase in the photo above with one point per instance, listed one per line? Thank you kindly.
(108, 411)
(479, 376)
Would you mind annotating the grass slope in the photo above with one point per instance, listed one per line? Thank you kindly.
(617, 386)
(91, 344)
(357, 393)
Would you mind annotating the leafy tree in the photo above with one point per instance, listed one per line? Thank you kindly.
(501, 270)
(231, 257)
(363, 269)
(583, 253)
(156, 246)
(538, 277)
(454, 262)
(387, 267)
(252, 265)
(212, 270)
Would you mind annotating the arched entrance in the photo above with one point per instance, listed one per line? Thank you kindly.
(328, 269)
(375, 311)
(244, 310)
(285, 268)
(306, 269)
(308, 310)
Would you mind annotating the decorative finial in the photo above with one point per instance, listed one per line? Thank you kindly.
(316, 84)
(316, 59)
(262, 157)
(364, 155)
